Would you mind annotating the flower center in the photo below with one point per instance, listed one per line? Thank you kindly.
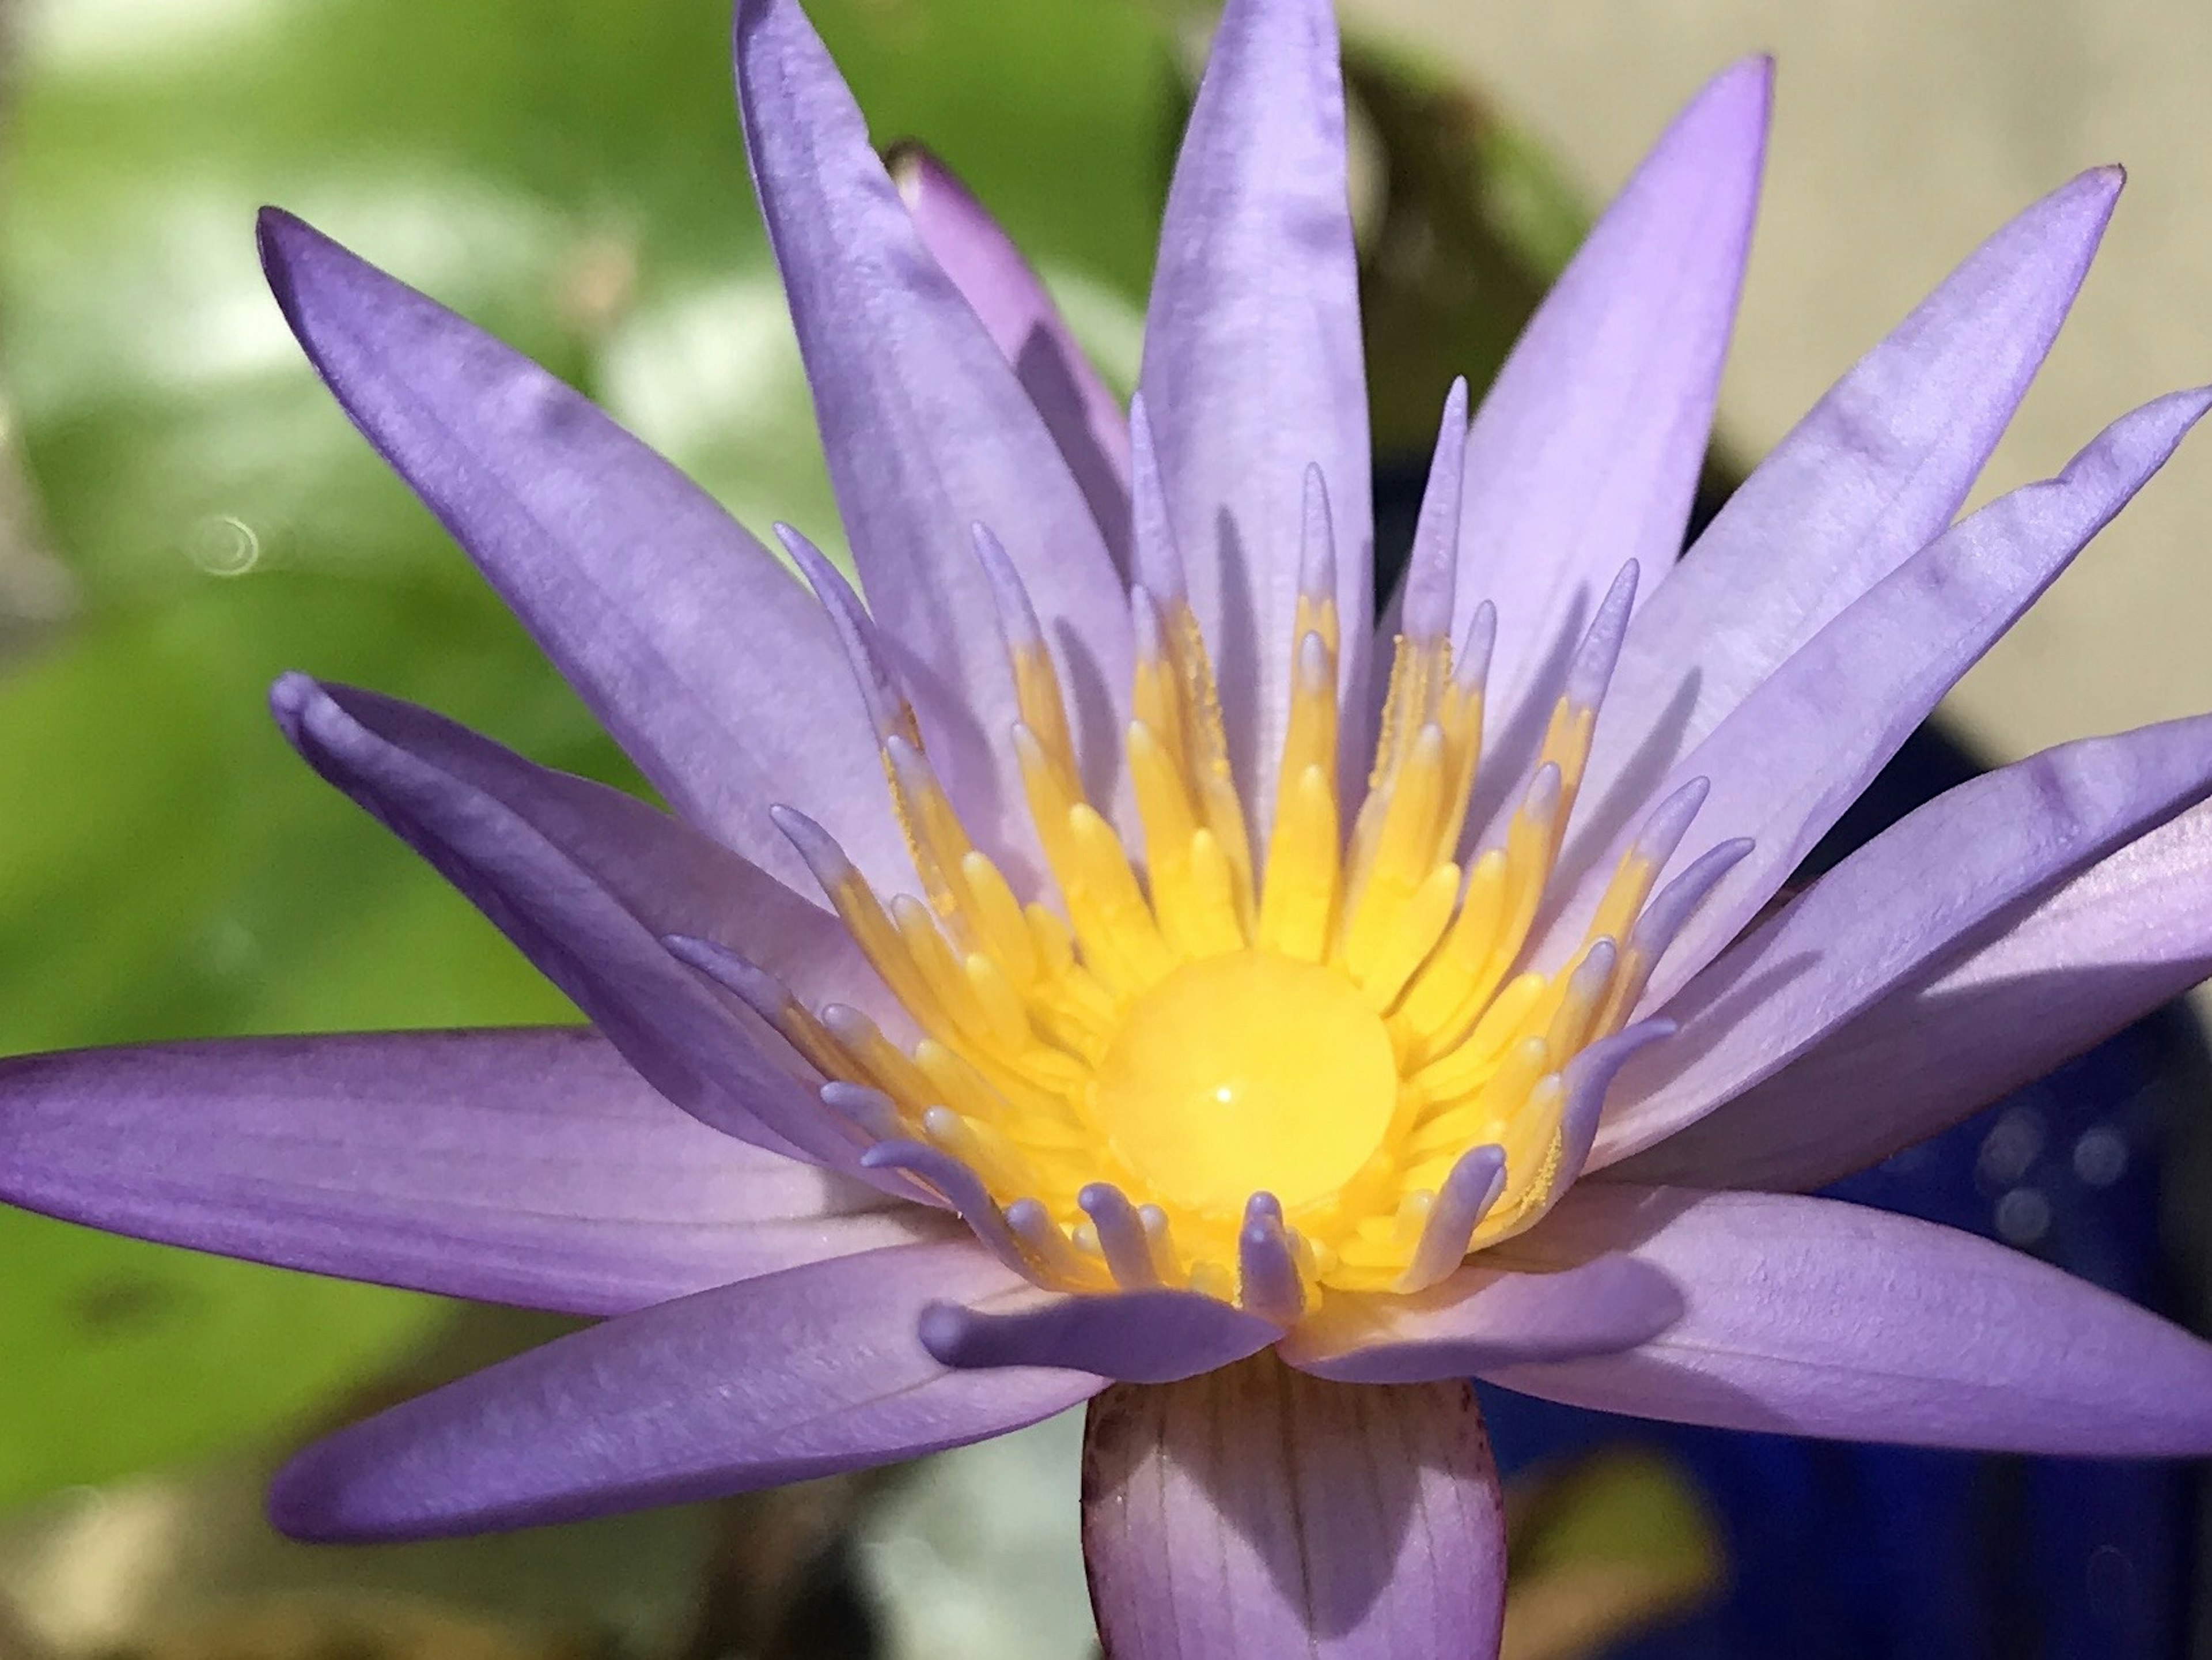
(1246, 1072)
(1257, 1072)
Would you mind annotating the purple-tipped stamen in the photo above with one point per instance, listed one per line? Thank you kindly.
(1427, 608)
(1268, 1280)
(1122, 1239)
(1475, 1184)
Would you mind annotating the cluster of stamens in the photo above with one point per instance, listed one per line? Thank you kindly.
(1256, 1079)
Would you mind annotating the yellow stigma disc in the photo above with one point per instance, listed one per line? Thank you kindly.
(1246, 1072)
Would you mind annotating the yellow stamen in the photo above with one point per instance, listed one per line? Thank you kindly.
(1274, 1071)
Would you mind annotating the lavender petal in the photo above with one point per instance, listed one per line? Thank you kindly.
(568, 894)
(801, 1374)
(1256, 1512)
(1806, 1316)
(1484, 1317)
(927, 432)
(1875, 472)
(688, 641)
(1253, 367)
(1080, 411)
(525, 1166)
(2092, 956)
(1586, 450)
(1135, 1337)
(1795, 753)
(1943, 875)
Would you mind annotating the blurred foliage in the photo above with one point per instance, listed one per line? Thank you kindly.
(568, 173)
(1613, 1544)
(1474, 224)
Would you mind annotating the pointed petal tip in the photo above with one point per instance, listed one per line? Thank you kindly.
(725, 967)
(1750, 78)
(282, 235)
(2101, 184)
(831, 589)
(1733, 109)
(291, 250)
(273, 226)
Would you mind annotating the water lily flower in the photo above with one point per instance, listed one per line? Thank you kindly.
(1107, 964)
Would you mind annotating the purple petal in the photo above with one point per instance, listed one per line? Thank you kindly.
(584, 896)
(1585, 453)
(1810, 1317)
(1484, 1317)
(673, 880)
(1253, 369)
(1257, 1512)
(1137, 1337)
(692, 645)
(1875, 472)
(1084, 416)
(927, 433)
(801, 1374)
(1906, 900)
(531, 1167)
(1795, 753)
(2089, 957)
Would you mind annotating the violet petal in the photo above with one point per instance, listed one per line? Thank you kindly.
(1136, 1337)
(1253, 367)
(1874, 472)
(799, 1374)
(1909, 898)
(927, 433)
(1080, 411)
(529, 1166)
(548, 881)
(1483, 1317)
(1807, 1317)
(690, 641)
(2099, 951)
(1256, 1512)
(1789, 758)
(1585, 452)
